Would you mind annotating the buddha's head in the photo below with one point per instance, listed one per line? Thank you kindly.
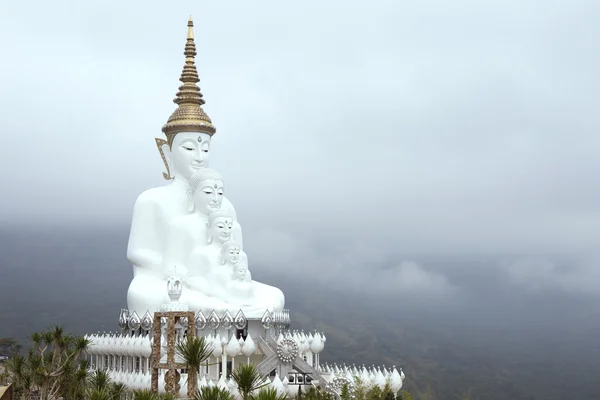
(189, 128)
(220, 225)
(206, 191)
(230, 253)
(189, 152)
(240, 272)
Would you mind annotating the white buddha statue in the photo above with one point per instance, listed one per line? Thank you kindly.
(160, 215)
(195, 247)
(206, 254)
(240, 286)
(187, 149)
(189, 232)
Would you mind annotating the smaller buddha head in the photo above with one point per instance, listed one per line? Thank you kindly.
(230, 253)
(220, 226)
(240, 272)
(206, 191)
(189, 152)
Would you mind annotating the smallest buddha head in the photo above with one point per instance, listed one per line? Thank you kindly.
(240, 273)
(230, 253)
(220, 226)
(206, 191)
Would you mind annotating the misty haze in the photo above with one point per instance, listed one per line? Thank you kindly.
(419, 179)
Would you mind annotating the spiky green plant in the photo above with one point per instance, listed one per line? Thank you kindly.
(100, 387)
(406, 395)
(268, 394)
(53, 366)
(193, 352)
(167, 396)
(144, 394)
(314, 393)
(212, 393)
(248, 379)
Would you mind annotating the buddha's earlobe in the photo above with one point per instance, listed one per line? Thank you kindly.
(191, 207)
(164, 148)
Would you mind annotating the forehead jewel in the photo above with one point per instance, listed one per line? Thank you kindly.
(199, 138)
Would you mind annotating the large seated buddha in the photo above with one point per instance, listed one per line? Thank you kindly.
(151, 249)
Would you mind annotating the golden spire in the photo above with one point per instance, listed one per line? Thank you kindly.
(189, 116)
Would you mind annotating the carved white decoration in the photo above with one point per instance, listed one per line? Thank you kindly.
(249, 347)
(214, 321)
(203, 382)
(395, 381)
(267, 320)
(379, 379)
(278, 385)
(217, 347)
(134, 321)
(287, 350)
(222, 384)
(317, 345)
(227, 321)
(336, 385)
(233, 348)
(240, 320)
(147, 322)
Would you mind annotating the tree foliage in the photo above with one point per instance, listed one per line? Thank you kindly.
(212, 393)
(8, 348)
(193, 352)
(53, 367)
(248, 379)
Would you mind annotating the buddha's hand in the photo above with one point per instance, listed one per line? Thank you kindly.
(183, 272)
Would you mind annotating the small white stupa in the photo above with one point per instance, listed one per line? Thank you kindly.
(187, 252)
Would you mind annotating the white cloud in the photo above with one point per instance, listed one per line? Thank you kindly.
(411, 278)
(381, 123)
(540, 274)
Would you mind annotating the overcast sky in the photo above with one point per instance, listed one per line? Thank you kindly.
(381, 126)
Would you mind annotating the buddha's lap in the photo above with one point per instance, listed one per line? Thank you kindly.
(144, 293)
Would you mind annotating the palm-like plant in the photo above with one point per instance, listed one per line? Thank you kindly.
(212, 393)
(193, 352)
(100, 387)
(317, 394)
(268, 394)
(144, 394)
(52, 366)
(248, 379)
(16, 367)
(3, 375)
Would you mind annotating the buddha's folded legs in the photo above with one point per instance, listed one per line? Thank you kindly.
(146, 293)
(199, 301)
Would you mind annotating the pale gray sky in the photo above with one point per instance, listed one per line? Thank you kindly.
(381, 126)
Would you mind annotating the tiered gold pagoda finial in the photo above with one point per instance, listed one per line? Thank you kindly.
(189, 116)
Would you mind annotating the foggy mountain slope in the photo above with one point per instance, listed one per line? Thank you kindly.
(522, 345)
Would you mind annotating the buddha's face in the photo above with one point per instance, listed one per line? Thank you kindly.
(240, 272)
(220, 229)
(190, 152)
(232, 255)
(208, 196)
